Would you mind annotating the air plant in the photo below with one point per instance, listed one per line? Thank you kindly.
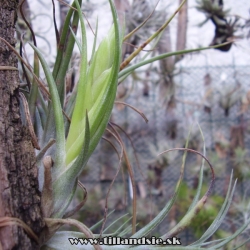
(67, 136)
(225, 28)
(229, 96)
(95, 96)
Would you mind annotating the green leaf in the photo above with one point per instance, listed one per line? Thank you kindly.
(198, 192)
(83, 89)
(64, 60)
(131, 68)
(64, 53)
(65, 183)
(100, 111)
(164, 212)
(220, 217)
(58, 117)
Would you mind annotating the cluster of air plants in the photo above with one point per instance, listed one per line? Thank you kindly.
(67, 133)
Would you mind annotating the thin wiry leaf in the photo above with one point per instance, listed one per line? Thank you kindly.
(233, 236)
(131, 175)
(118, 231)
(76, 40)
(141, 25)
(112, 183)
(164, 212)
(186, 220)
(241, 245)
(92, 228)
(220, 217)
(126, 231)
(151, 38)
(80, 205)
(162, 56)
(198, 192)
(115, 221)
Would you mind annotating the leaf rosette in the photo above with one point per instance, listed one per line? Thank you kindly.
(96, 91)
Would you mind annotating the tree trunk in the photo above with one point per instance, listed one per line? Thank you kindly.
(19, 195)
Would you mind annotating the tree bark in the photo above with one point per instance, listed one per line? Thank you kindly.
(19, 194)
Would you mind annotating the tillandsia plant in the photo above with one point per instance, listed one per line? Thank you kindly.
(68, 133)
(94, 101)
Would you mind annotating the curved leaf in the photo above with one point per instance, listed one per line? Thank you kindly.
(58, 116)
